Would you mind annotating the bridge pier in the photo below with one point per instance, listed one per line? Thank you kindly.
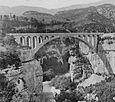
(95, 41)
(90, 39)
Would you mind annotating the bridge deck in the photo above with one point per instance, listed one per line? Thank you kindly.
(31, 34)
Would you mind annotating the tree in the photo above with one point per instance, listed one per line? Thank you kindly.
(10, 55)
(48, 75)
(7, 89)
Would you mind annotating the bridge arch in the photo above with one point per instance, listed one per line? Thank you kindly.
(46, 37)
(34, 41)
(29, 41)
(22, 40)
(102, 57)
(40, 39)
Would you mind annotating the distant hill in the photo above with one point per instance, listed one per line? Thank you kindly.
(101, 2)
(45, 17)
(91, 19)
(100, 18)
(19, 10)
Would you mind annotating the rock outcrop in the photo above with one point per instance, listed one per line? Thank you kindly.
(80, 67)
(33, 76)
(26, 82)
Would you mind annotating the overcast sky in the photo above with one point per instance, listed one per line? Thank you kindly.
(45, 3)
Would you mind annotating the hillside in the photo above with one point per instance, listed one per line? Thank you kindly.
(99, 18)
(39, 16)
(19, 10)
(92, 19)
(101, 2)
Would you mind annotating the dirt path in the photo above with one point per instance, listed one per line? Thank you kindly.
(47, 94)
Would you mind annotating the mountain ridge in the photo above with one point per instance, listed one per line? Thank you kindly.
(19, 10)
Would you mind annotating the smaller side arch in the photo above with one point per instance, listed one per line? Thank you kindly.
(34, 42)
(22, 40)
(46, 37)
(40, 39)
(29, 41)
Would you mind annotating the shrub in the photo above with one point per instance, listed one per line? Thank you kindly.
(61, 82)
(10, 55)
(72, 96)
(105, 91)
(7, 89)
(48, 75)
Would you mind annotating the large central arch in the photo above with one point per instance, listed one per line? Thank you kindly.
(100, 55)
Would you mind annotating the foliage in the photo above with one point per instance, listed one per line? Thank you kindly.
(9, 41)
(72, 96)
(105, 91)
(90, 19)
(53, 63)
(61, 82)
(9, 56)
(7, 89)
(48, 75)
(68, 90)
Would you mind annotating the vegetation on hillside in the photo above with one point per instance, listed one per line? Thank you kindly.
(91, 19)
(9, 56)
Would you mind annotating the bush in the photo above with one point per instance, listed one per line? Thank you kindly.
(7, 89)
(9, 58)
(61, 82)
(48, 75)
(10, 55)
(105, 91)
(72, 96)
(68, 90)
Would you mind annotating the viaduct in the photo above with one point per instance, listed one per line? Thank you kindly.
(37, 40)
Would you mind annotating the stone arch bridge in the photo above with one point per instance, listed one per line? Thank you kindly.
(37, 40)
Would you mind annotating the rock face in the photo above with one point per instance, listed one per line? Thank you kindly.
(26, 82)
(33, 76)
(93, 79)
(80, 67)
(18, 90)
(108, 43)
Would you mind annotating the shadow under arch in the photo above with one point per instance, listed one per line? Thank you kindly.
(34, 41)
(28, 41)
(40, 39)
(22, 40)
(100, 55)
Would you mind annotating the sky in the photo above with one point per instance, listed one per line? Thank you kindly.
(50, 4)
